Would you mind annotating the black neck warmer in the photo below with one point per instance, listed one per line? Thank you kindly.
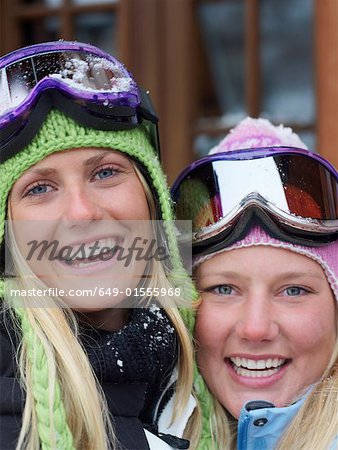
(144, 350)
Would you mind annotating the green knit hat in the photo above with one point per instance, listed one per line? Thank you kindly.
(59, 133)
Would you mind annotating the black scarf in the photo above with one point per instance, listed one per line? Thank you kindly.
(144, 350)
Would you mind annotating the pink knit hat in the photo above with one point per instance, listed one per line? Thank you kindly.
(254, 133)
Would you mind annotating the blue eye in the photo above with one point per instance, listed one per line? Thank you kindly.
(223, 290)
(294, 291)
(39, 190)
(105, 173)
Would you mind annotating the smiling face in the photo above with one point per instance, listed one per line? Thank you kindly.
(266, 326)
(88, 201)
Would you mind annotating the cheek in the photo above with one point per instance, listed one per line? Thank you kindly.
(314, 331)
(142, 212)
(19, 212)
(318, 333)
(133, 202)
(211, 329)
(30, 236)
(206, 347)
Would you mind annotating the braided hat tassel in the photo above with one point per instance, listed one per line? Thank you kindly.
(41, 391)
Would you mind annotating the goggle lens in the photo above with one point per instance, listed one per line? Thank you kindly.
(297, 186)
(77, 70)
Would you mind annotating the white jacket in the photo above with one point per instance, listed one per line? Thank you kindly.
(177, 427)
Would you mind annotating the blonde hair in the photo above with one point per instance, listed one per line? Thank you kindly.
(51, 363)
(59, 411)
(320, 408)
(186, 352)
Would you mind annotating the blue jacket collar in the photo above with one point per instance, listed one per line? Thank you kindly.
(262, 428)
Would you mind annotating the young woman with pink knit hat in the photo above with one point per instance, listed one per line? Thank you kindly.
(264, 214)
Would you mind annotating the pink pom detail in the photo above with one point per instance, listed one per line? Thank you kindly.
(253, 133)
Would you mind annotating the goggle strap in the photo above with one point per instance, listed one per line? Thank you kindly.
(25, 133)
(248, 220)
(51, 98)
(148, 112)
(146, 107)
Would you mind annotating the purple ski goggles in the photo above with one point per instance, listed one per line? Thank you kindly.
(292, 191)
(81, 80)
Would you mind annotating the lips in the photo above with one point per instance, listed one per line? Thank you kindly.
(86, 254)
(257, 368)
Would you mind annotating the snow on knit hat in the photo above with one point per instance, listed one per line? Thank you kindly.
(254, 133)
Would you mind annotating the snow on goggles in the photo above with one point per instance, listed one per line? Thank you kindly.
(293, 188)
(84, 82)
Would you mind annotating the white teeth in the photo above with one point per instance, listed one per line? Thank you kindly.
(237, 361)
(254, 373)
(260, 364)
(249, 363)
(276, 362)
(253, 364)
(89, 252)
(78, 264)
(93, 249)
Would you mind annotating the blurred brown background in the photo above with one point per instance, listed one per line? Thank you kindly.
(207, 63)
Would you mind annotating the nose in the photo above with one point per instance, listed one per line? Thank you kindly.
(257, 321)
(80, 206)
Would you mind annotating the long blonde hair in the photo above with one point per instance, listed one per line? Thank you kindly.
(60, 411)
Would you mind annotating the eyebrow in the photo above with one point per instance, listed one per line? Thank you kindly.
(97, 158)
(283, 276)
(296, 275)
(45, 172)
(229, 274)
(93, 160)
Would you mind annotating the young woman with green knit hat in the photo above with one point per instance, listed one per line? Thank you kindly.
(79, 176)
(265, 259)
